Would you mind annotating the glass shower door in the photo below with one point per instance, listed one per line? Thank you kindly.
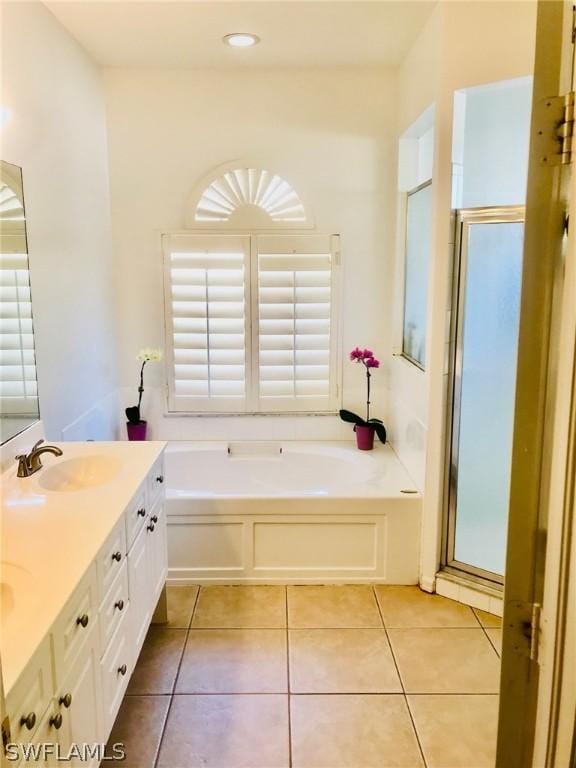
(487, 301)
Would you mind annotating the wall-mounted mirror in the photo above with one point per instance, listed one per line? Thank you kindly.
(18, 388)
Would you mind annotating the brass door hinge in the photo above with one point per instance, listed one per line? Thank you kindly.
(525, 624)
(555, 130)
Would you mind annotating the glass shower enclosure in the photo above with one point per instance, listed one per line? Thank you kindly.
(485, 323)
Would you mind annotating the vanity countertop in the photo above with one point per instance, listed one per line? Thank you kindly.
(49, 538)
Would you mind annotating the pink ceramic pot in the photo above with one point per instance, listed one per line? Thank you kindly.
(137, 431)
(364, 437)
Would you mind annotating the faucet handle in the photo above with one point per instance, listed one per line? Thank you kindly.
(36, 445)
(23, 465)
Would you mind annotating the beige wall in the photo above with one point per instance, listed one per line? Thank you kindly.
(330, 133)
(55, 130)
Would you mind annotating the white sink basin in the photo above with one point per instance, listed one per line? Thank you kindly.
(79, 473)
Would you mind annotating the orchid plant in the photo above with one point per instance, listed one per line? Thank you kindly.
(147, 355)
(366, 358)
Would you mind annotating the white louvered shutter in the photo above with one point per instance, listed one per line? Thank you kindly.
(206, 290)
(295, 333)
(18, 388)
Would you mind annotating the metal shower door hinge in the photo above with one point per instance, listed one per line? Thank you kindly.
(555, 130)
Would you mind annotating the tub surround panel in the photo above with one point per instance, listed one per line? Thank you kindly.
(172, 426)
(99, 422)
(407, 435)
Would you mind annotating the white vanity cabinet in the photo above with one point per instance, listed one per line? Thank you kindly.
(71, 689)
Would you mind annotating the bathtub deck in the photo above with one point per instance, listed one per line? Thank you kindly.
(314, 677)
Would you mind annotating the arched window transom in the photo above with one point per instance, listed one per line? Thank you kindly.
(256, 192)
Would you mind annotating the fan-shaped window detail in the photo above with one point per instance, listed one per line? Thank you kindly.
(11, 208)
(243, 187)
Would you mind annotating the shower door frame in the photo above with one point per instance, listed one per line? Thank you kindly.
(463, 219)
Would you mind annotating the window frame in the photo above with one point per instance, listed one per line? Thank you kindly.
(421, 366)
(252, 404)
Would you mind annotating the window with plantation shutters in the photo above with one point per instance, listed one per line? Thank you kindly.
(206, 301)
(18, 388)
(296, 323)
(251, 323)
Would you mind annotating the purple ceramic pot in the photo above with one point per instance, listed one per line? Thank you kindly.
(137, 431)
(364, 437)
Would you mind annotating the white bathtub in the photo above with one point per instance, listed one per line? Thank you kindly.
(290, 512)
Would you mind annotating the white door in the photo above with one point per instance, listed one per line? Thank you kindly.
(531, 524)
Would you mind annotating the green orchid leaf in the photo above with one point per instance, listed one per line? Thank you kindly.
(351, 418)
(380, 430)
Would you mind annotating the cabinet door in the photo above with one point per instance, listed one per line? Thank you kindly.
(140, 586)
(116, 667)
(80, 703)
(157, 543)
(45, 747)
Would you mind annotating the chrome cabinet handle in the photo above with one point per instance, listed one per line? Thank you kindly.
(141, 512)
(154, 518)
(119, 604)
(56, 721)
(83, 620)
(122, 670)
(117, 556)
(160, 479)
(28, 720)
(150, 527)
(65, 700)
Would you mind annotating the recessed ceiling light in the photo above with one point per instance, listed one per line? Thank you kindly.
(241, 39)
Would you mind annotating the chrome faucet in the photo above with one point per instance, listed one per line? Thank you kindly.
(29, 464)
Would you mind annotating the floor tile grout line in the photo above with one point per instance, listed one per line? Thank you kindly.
(288, 680)
(196, 599)
(484, 630)
(416, 734)
(160, 741)
(490, 640)
(313, 693)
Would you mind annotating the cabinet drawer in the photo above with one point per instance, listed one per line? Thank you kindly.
(110, 558)
(116, 668)
(155, 481)
(113, 607)
(135, 516)
(73, 626)
(31, 695)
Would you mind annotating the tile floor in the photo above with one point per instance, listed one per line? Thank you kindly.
(314, 677)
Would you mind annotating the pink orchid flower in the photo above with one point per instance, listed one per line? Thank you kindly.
(356, 354)
(367, 353)
(371, 362)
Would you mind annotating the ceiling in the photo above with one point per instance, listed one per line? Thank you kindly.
(294, 33)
